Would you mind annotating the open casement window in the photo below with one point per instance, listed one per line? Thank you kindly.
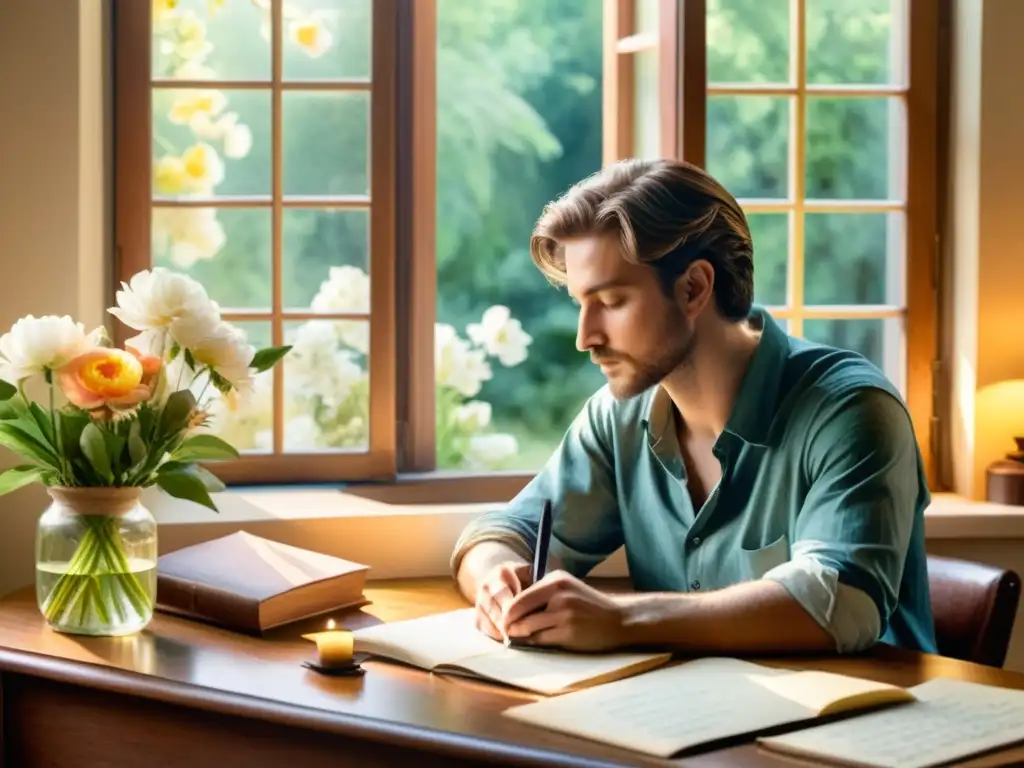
(256, 152)
(820, 117)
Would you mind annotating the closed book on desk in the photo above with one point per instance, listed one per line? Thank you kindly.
(449, 643)
(702, 702)
(251, 584)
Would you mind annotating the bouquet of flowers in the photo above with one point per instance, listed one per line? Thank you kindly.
(110, 419)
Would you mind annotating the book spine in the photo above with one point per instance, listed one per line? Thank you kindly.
(206, 603)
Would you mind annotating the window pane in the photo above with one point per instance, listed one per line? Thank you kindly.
(326, 143)
(748, 144)
(647, 112)
(855, 41)
(327, 39)
(327, 386)
(248, 422)
(770, 233)
(748, 41)
(210, 142)
(518, 122)
(326, 260)
(210, 39)
(856, 148)
(880, 340)
(225, 249)
(854, 258)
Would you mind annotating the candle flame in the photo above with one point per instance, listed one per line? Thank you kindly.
(330, 623)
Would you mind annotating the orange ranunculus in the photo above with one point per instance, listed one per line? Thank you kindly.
(106, 377)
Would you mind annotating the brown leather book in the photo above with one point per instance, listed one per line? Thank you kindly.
(251, 584)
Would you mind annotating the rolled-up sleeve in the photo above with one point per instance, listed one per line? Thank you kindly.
(854, 527)
(579, 480)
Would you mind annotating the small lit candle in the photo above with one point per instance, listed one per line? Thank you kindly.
(334, 646)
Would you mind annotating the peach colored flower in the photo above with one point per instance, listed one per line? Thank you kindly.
(108, 377)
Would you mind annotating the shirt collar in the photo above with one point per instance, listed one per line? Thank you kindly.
(754, 409)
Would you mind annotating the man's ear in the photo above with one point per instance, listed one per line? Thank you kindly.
(695, 287)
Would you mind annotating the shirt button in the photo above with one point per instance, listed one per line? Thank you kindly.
(694, 585)
(696, 541)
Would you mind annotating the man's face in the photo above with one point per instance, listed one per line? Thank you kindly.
(632, 329)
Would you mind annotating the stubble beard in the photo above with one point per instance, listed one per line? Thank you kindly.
(644, 374)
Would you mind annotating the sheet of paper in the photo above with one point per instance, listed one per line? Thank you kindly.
(669, 709)
(427, 642)
(552, 672)
(951, 720)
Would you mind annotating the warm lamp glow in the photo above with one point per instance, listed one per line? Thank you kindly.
(1000, 415)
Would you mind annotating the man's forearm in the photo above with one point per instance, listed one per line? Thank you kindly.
(753, 617)
(481, 558)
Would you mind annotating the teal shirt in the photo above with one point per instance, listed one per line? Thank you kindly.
(822, 485)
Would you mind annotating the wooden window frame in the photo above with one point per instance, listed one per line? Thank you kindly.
(132, 226)
(403, 302)
(682, 54)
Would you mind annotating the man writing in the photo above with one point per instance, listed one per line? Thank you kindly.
(769, 492)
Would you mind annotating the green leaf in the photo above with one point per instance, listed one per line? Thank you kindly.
(204, 448)
(176, 413)
(15, 478)
(268, 357)
(185, 485)
(190, 360)
(95, 449)
(210, 481)
(175, 351)
(42, 418)
(222, 384)
(137, 450)
(13, 408)
(17, 436)
(114, 448)
(7, 390)
(71, 424)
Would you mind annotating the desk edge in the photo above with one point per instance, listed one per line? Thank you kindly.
(121, 681)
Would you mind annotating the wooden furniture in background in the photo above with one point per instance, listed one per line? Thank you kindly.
(974, 606)
(185, 694)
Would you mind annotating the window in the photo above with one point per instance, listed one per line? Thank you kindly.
(360, 177)
(807, 118)
(268, 175)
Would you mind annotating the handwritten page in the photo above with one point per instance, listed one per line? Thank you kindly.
(553, 672)
(670, 709)
(950, 720)
(427, 642)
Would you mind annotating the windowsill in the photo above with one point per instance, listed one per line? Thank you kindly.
(416, 537)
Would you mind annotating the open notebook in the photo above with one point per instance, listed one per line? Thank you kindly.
(951, 720)
(699, 702)
(449, 643)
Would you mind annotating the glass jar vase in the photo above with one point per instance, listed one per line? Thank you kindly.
(96, 551)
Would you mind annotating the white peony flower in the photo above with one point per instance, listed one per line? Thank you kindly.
(456, 364)
(35, 344)
(346, 289)
(318, 366)
(491, 450)
(501, 335)
(160, 302)
(228, 352)
(191, 234)
(310, 35)
(237, 137)
(474, 415)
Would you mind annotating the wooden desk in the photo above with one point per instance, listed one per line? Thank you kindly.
(185, 694)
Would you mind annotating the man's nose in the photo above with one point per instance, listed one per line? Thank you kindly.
(588, 332)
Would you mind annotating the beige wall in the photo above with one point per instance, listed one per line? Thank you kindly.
(53, 214)
(52, 196)
(985, 250)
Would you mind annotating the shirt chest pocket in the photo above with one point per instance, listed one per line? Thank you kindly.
(755, 563)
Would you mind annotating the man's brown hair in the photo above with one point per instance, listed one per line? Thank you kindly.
(665, 213)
